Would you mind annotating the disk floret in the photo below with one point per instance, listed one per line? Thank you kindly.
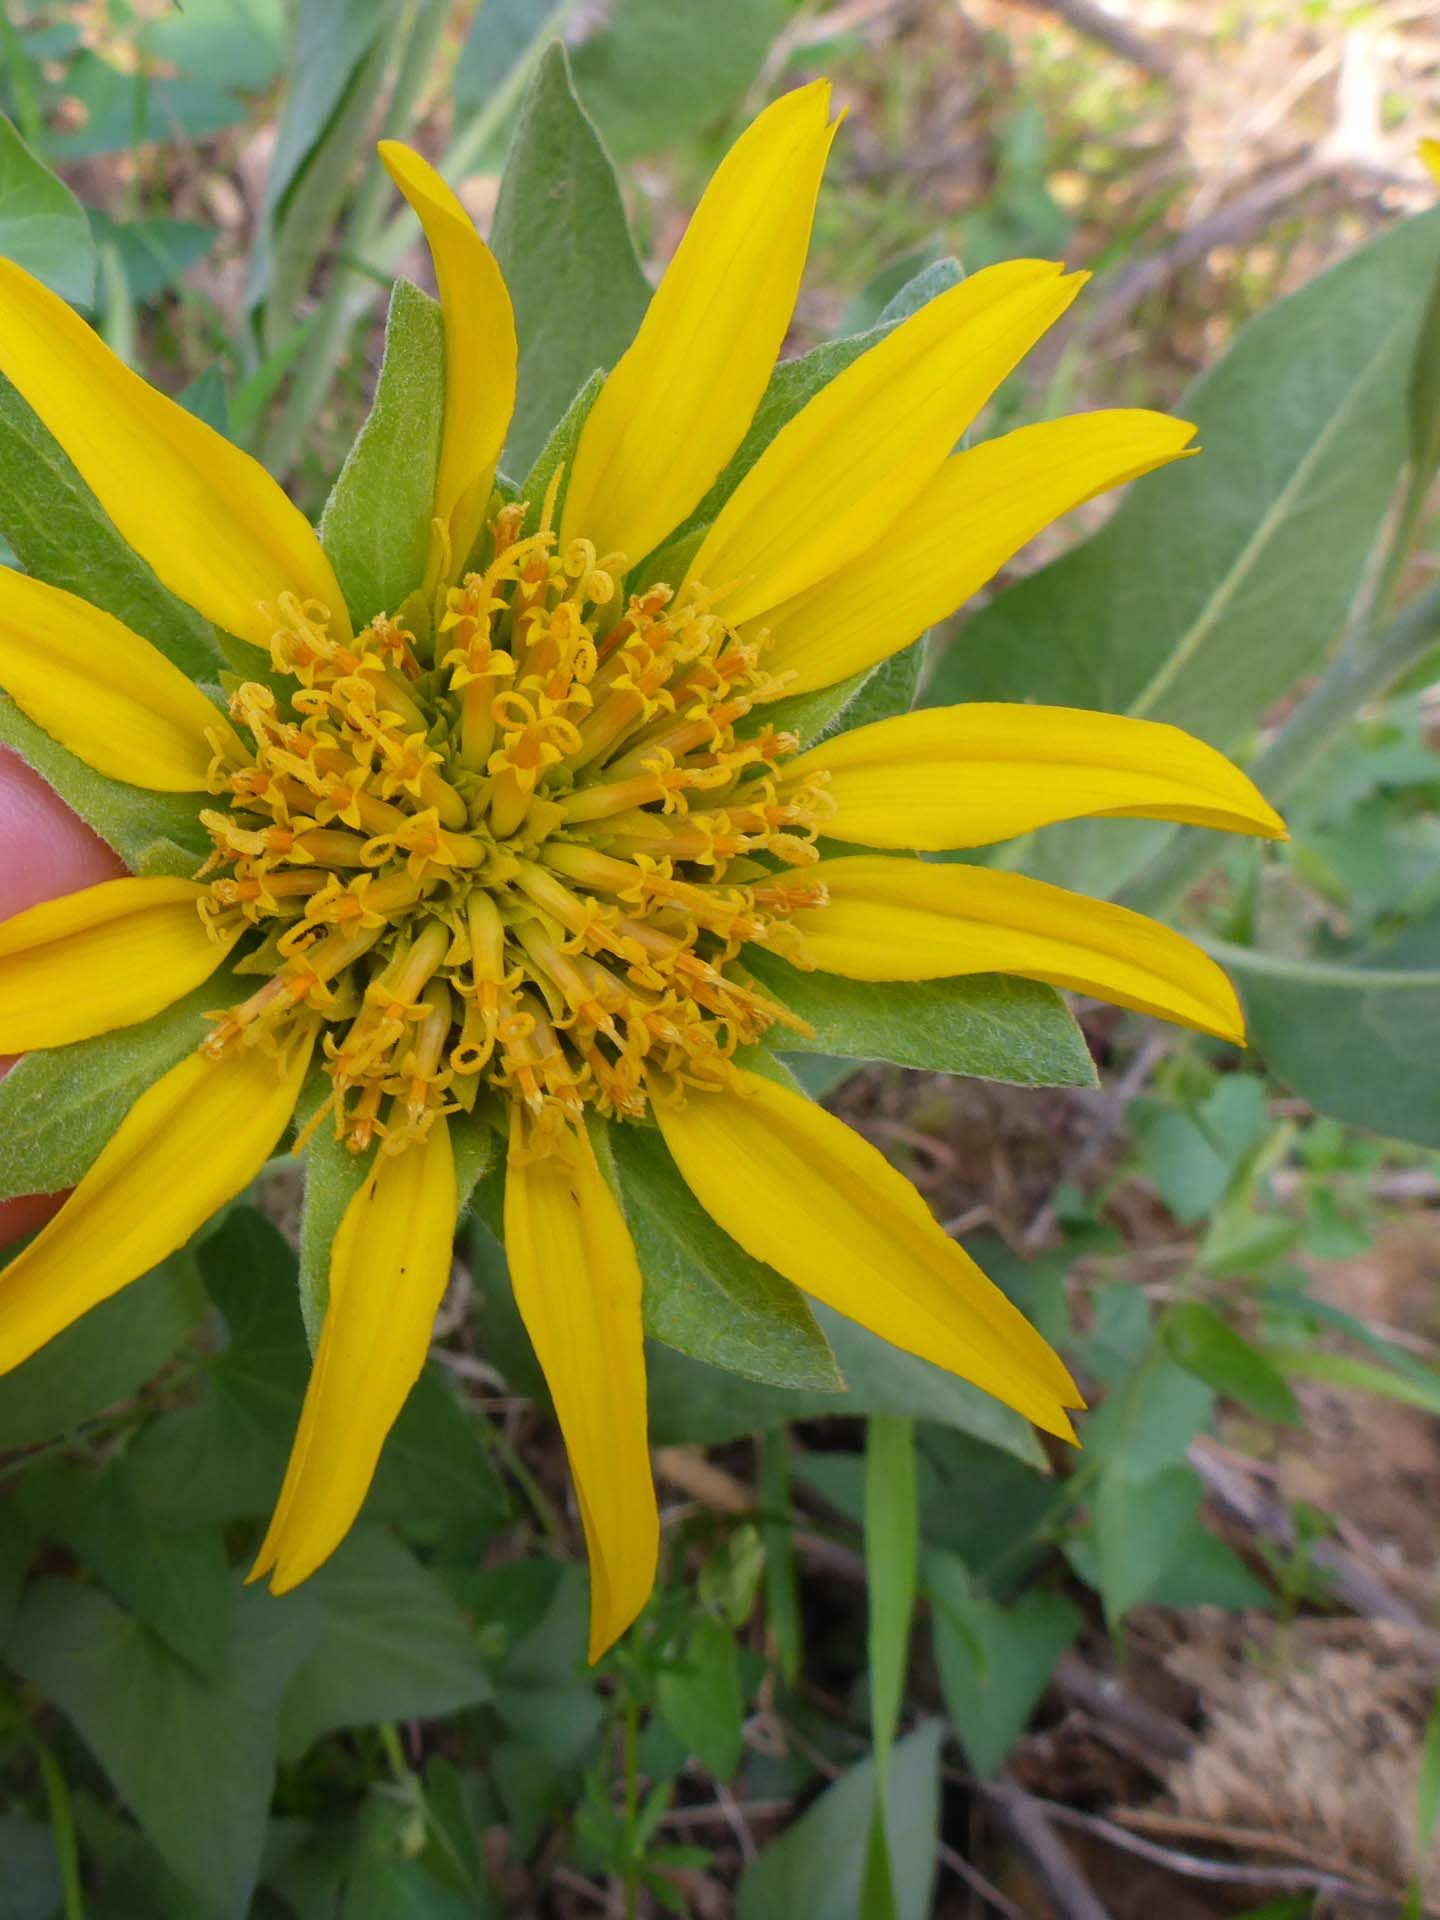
(517, 846)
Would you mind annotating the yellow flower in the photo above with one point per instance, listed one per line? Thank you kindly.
(504, 850)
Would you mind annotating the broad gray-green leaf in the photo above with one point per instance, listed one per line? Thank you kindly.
(152, 832)
(1360, 1041)
(817, 1865)
(59, 1107)
(1222, 578)
(377, 522)
(62, 535)
(102, 1359)
(659, 71)
(691, 1403)
(139, 1710)
(987, 1025)
(42, 225)
(562, 241)
(703, 1294)
(393, 1647)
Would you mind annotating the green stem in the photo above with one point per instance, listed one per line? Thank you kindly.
(544, 1511)
(394, 1753)
(1355, 676)
(62, 1827)
(341, 308)
(632, 1803)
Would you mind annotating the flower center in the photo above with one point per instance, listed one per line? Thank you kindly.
(520, 852)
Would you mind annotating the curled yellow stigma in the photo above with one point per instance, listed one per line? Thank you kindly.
(516, 847)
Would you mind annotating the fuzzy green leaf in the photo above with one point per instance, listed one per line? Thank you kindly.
(333, 1176)
(60, 1106)
(376, 524)
(558, 451)
(62, 535)
(42, 225)
(986, 1025)
(704, 1295)
(562, 240)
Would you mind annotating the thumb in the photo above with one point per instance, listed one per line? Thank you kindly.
(48, 851)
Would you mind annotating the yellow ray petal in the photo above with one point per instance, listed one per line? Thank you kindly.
(577, 1285)
(190, 1143)
(480, 348)
(912, 920)
(104, 957)
(800, 1190)
(854, 458)
(979, 510)
(388, 1272)
(969, 776)
(1430, 154)
(678, 403)
(101, 690)
(211, 522)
